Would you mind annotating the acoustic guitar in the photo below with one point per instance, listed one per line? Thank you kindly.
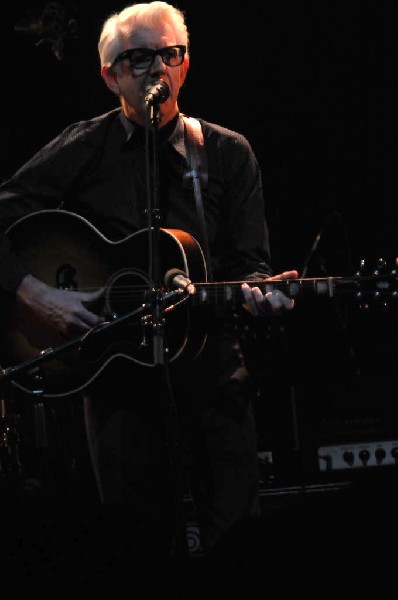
(66, 251)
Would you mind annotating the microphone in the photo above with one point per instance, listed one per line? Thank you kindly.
(156, 92)
(175, 278)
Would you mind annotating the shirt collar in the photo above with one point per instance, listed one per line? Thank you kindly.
(176, 138)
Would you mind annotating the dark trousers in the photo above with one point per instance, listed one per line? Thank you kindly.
(159, 433)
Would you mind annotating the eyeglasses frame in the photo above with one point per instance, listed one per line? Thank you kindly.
(127, 53)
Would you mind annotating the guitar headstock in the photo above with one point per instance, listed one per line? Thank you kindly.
(378, 285)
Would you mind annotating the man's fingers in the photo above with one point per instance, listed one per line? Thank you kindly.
(274, 302)
(285, 275)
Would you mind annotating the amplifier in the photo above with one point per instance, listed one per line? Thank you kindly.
(359, 455)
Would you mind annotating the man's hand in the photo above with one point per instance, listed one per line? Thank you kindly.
(63, 311)
(271, 303)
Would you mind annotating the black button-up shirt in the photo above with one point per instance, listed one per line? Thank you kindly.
(97, 169)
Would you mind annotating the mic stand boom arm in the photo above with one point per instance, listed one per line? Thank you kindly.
(77, 343)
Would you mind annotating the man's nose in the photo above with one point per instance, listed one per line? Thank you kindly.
(158, 65)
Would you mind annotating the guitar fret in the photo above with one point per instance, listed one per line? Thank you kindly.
(324, 286)
(228, 293)
(331, 287)
(294, 288)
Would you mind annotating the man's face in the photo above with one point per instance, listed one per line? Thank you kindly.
(129, 83)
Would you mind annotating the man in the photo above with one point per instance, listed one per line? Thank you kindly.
(163, 422)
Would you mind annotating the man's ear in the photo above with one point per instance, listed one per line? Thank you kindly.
(184, 70)
(110, 79)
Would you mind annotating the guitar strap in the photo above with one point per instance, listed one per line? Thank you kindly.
(197, 171)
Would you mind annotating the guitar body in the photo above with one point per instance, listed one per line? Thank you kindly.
(65, 251)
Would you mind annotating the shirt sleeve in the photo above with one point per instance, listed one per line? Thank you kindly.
(42, 183)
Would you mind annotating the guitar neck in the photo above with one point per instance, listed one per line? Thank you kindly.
(230, 292)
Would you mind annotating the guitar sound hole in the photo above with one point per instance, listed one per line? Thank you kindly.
(125, 293)
(65, 277)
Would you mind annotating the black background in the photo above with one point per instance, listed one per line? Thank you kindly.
(313, 86)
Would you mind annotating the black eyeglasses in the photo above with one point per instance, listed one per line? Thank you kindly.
(142, 58)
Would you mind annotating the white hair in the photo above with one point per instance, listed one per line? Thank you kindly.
(120, 25)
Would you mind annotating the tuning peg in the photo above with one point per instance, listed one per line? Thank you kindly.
(364, 306)
(380, 265)
(362, 266)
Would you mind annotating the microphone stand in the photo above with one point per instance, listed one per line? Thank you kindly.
(11, 470)
(179, 547)
(153, 212)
